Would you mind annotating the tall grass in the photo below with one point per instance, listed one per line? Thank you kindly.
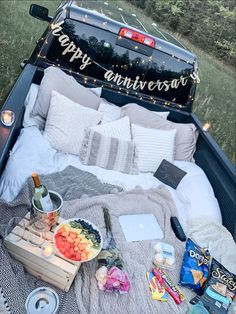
(215, 96)
(18, 35)
(215, 100)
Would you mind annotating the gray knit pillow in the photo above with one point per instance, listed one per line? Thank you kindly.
(55, 79)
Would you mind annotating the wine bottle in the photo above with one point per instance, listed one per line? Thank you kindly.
(41, 195)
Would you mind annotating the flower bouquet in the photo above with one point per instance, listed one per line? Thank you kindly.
(110, 274)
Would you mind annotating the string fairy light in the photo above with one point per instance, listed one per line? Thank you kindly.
(108, 85)
(154, 101)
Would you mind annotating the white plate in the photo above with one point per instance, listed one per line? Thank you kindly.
(70, 260)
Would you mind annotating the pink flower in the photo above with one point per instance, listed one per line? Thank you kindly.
(117, 280)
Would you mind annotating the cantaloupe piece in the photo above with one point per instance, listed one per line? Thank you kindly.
(70, 240)
(61, 230)
(90, 255)
(77, 240)
(73, 235)
(83, 256)
(83, 246)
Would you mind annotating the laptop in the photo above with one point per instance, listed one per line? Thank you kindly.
(140, 227)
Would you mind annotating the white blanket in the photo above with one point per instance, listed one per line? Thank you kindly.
(193, 198)
(218, 240)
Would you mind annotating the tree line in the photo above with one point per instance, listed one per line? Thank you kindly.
(208, 24)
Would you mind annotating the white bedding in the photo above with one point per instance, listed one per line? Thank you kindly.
(193, 198)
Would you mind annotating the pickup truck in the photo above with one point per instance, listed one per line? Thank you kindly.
(131, 67)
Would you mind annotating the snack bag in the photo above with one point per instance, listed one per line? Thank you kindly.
(157, 290)
(195, 266)
(219, 291)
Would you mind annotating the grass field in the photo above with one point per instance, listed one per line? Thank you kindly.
(18, 35)
(216, 94)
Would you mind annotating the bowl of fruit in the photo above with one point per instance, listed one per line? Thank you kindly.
(77, 240)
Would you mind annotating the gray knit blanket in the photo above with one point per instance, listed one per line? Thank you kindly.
(136, 255)
(15, 283)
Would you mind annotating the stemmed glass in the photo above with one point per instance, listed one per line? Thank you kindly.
(37, 230)
(39, 234)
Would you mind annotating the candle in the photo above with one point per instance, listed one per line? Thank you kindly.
(48, 250)
(7, 117)
(206, 126)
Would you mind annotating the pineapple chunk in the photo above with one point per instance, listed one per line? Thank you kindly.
(78, 231)
(84, 241)
(67, 227)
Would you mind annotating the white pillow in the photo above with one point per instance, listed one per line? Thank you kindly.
(163, 114)
(31, 153)
(198, 192)
(118, 129)
(109, 112)
(66, 121)
(96, 90)
(152, 146)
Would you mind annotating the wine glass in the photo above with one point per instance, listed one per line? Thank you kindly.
(37, 230)
(35, 237)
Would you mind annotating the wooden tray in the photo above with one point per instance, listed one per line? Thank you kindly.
(55, 270)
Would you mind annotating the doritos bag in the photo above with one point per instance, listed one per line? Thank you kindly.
(195, 266)
(219, 290)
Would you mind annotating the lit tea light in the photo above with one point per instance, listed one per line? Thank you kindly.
(48, 250)
(206, 126)
(7, 117)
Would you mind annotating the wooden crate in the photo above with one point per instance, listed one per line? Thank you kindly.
(55, 270)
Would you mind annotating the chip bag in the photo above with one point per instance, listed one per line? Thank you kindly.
(195, 266)
(219, 290)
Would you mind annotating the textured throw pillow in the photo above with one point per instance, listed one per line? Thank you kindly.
(56, 79)
(118, 128)
(107, 152)
(152, 146)
(186, 133)
(66, 122)
(109, 112)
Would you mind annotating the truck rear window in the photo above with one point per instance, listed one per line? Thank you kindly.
(102, 55)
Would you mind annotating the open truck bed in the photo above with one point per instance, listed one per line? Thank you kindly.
(208, 155)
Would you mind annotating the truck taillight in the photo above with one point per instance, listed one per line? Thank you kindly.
(128, 33)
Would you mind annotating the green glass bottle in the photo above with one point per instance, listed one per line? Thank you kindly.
(41, 195)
